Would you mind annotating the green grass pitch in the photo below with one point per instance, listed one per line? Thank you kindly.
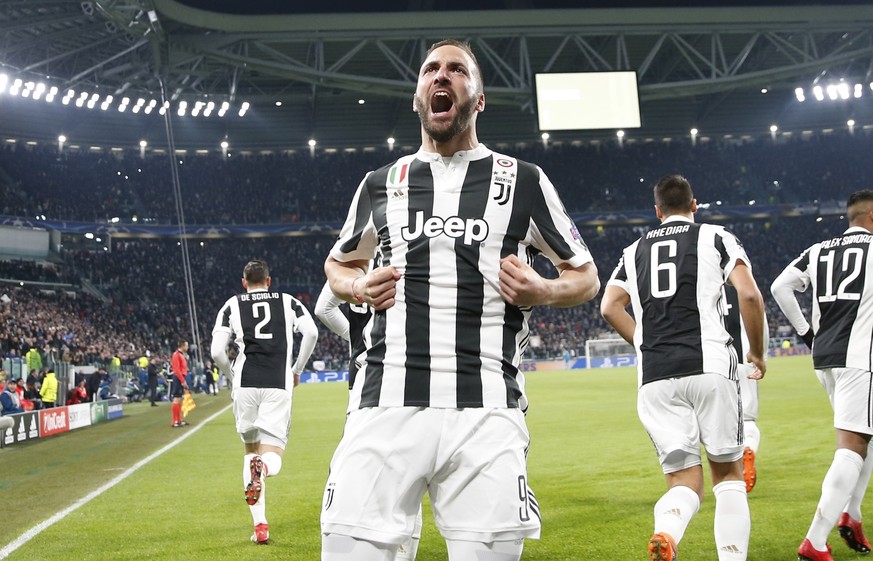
(591, 465)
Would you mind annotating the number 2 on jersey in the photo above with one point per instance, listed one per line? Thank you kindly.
(258, 309)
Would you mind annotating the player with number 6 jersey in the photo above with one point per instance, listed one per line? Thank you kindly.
(262, 323)
(673, 278)
(840, 272)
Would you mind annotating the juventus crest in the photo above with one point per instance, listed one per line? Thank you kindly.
(502, 182)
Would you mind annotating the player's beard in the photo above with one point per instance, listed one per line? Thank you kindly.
(439, 132)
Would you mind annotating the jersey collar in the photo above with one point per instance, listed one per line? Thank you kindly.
(476, 153)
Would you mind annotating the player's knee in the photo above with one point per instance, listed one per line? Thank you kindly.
(273, 461)
(336, 547)
(460, 550)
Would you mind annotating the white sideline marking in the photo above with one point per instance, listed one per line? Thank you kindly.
(36, 530)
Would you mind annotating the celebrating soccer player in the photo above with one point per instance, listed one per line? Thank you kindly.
(437, 403)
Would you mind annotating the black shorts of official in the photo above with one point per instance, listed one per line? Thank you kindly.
(176, 389)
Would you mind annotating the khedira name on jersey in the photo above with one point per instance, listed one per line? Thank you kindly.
(668, 231)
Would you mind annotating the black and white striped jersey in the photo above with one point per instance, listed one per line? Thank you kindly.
(840, 271)
(263, 324)
(450, 340)
(674, 275)
(736, 327)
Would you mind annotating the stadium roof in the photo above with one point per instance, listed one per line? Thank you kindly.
(702, 67)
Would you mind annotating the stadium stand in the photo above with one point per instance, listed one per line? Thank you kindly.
(140, 289)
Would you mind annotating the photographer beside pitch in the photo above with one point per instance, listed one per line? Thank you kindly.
(262, 323)
(689, 393)
(840, 272)
(437, 405)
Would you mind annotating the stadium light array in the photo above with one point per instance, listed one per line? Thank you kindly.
(837, 91)
(47, 93)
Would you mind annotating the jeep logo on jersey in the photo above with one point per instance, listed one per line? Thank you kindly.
(471, 229)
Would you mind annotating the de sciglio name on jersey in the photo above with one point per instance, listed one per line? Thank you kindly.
(471, 229)
(252, 296)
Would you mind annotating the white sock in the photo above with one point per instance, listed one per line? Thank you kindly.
(674, 510)
(335, 547)
(259, 509)
(751, 435)
(273, 461)
(835, 489)
(733, 523)
(854, 505)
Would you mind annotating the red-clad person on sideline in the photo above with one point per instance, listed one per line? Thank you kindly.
(179, 385)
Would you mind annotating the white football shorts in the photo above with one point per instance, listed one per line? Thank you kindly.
(262, 415)
(471, 461)
(680, 414)
(851, 393)
(748, 391)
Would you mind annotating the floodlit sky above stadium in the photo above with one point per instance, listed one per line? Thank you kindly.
(343, 6)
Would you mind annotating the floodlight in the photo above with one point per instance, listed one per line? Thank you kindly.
(798, 93)
(312, 143)
(843, 89)
(818, 93)
(773, 128)
(832, 92)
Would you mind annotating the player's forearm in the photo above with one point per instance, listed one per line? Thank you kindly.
(752, 311)
(342, 276)
(327, 310)
(218, 350)
(783, 290)
(621, 321)
(613, 308)
(307, 345)
(573, 287)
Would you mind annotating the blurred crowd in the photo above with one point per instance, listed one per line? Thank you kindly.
(141, 303)
(299, 187)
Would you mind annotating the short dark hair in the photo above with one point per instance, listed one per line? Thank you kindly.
(464, 46)
(256, 271)
(673, 194)
(853, 209)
